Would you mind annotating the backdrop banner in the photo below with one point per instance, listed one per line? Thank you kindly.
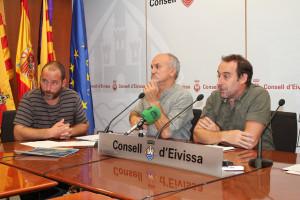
(124, 36)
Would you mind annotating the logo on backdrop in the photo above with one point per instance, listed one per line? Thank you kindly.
(114, 86)
(256, 81)
(187, 3)
(150, 153)
(197, 86)
(152, 3)
(277, 86)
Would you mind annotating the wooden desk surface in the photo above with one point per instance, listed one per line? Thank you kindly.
(86, 195)
(128, 179)
(41, 164)
(16, 182)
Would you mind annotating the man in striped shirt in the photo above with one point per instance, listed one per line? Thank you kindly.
(51, 111)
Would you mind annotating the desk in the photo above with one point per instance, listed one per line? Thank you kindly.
(128, 179)
(39, 164)
(83, 196)
(16, 182)
(134, 180)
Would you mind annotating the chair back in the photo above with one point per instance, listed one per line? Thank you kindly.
(284, 131)
(7, 128)
(197, 114)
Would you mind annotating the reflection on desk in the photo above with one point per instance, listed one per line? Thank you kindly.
(16, 182)
(83, 196)
(255, 185)
(127, 179)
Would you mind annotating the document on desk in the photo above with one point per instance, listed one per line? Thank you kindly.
(51, 144)
(294, 169)
(222, 147)
(93, 138)
(51, 152)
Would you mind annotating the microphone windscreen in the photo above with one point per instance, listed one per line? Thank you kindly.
(141, 95)
(281, 102)
(151, 114)
(200, 97)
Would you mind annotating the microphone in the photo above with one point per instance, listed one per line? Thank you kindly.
(149, 115)
(260, 162)
(199, 98)
(141, 95)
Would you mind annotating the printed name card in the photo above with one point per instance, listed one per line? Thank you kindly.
(177, 154)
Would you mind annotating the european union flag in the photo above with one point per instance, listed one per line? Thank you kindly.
(79, 69)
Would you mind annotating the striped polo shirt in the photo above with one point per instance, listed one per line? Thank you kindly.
(33, 111)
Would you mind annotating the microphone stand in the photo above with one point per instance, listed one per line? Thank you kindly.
(261, 162)
(138, 125)
(199, 98)
(106, 130)
(141, 132)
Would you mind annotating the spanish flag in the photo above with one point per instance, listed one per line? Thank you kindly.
(45, 51)
(6, 98)
(25, 69)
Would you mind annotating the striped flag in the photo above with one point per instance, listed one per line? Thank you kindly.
(25, 69)
(5, 50)
(79, 69)
(45, 51)
(6, 98)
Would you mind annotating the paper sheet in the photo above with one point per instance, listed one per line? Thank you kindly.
(224, 148)
(294, 169)
(51, 144)
(293, 172)
(89, 138)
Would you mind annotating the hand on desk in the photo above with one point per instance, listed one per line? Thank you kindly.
(239, 138)
(61, 130)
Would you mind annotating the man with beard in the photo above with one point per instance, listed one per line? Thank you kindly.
(51, 111)
(237, 112)
(161, 91)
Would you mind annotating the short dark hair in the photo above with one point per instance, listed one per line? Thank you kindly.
(243, 66)
(53, 65)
